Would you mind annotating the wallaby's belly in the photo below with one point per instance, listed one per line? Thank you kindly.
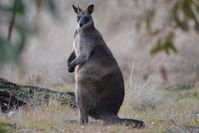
(100, 85)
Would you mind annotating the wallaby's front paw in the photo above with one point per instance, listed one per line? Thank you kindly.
(69, 64)
(71, 69)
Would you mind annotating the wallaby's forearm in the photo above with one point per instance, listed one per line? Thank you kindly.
(71, 57)
(82, 57)
(79, 60)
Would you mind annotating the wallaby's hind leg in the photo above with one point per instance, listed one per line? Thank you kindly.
(83, 117)
(114, 119)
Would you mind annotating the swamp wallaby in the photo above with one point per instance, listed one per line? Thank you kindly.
(99, 81)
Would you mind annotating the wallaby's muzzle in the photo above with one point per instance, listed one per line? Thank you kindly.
(80, 25)
(84, 20)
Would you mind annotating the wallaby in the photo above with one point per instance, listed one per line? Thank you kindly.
(99, 81)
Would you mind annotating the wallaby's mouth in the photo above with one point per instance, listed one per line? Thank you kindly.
(84, 26)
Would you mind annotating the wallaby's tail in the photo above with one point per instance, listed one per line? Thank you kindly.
(114, 119)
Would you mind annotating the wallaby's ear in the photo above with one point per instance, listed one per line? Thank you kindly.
(79, 9)
(90, 9)
(76, 9)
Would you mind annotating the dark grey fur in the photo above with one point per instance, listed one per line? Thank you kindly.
(99, 81)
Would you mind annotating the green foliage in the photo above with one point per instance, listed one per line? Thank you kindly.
(15, 18)
(186, 7)
(6, 50)
(18, 7)
(182, 24)
(149, 19)
(164, 44)
(182, 13)
(4, 126)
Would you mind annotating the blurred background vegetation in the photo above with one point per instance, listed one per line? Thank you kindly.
(182, 15)
(18, 26)
(14, 18)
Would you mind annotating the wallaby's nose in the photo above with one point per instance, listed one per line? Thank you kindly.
(80, 25)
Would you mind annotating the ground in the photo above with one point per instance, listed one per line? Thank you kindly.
(177, 111)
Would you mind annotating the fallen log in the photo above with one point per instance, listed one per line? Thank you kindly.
(13, 96)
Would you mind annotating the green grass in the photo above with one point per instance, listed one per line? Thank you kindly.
(3, 128)
(4, 125)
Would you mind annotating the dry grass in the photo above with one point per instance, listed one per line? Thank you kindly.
(177, 111)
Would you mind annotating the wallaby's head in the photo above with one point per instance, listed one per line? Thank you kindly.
(84, 18)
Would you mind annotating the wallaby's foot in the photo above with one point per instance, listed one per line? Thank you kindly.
(84, 122)
(83, 119)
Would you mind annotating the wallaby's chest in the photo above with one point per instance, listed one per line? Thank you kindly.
(82, 43)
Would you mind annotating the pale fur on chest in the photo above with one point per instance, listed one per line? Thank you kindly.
(82, 43)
